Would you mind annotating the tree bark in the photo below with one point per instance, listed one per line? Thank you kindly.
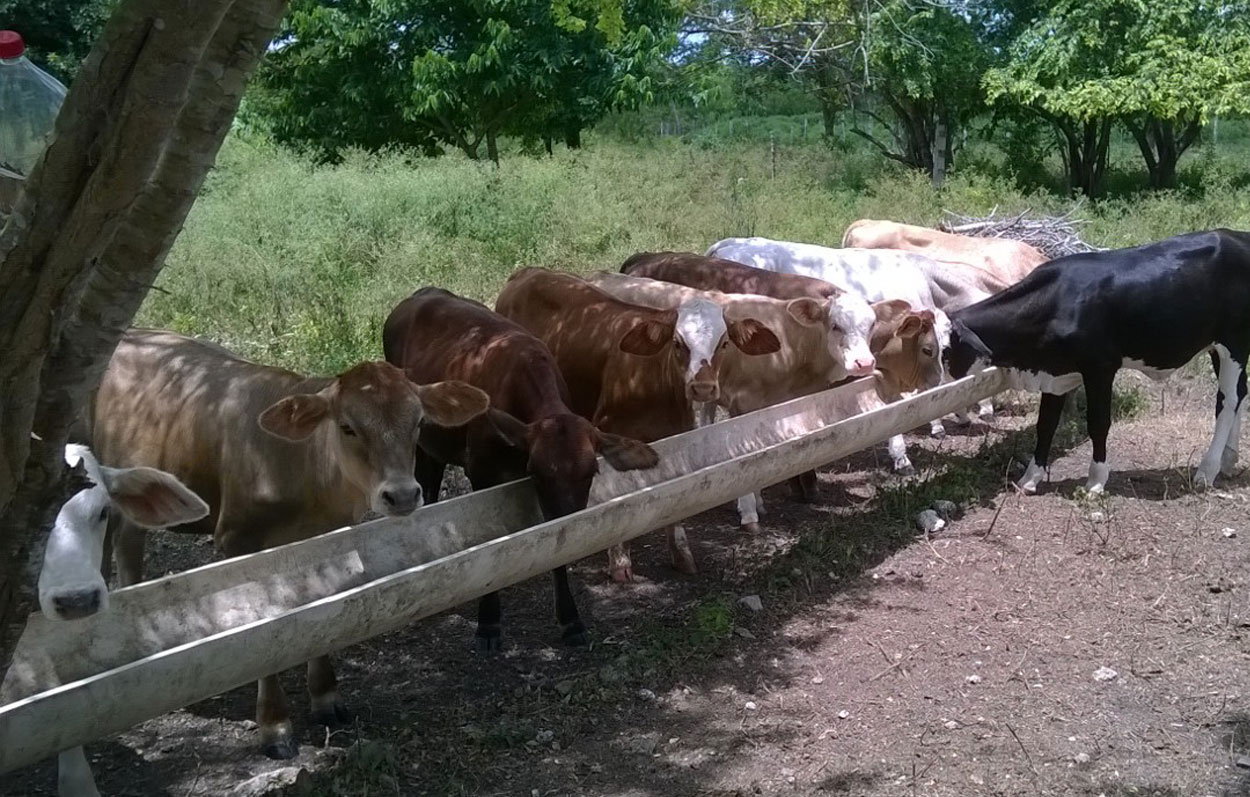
(1162, 143)
(492, 147)
(135, 138)
(1086, 153)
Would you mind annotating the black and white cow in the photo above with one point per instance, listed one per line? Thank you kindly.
(1081, 318)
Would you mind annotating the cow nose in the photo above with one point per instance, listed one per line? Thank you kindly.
(703, 391)
(863, 367)
(401, 500)
(80, 603)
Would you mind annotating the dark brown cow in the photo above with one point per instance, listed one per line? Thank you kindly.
(435, 335)
(277, 456)
(633, 370)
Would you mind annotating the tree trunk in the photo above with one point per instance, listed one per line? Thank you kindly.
(941, 149)
(573, 137)
(1086, 161)
(135, 138)
(1162, 143)
(492, 147)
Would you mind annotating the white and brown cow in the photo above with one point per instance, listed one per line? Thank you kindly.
(278, 457)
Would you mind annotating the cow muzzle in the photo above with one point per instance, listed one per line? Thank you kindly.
(78, 603)
(861, 366)
(703, 391)
(398, 498)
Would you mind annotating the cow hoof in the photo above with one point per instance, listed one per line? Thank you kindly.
(621, 575)
(937, 432)
(751, 528)
(905, 470)
(684, 563)
(1202, 480)
(282, 749)
(574, 635)
(335, 716)
(488, 642)
(1228, 462)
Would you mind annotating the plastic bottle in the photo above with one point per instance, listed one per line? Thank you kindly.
(29, 102)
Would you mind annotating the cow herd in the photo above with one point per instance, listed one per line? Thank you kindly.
(567, 370)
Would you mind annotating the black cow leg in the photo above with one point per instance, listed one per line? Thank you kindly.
(1098, 424)
(489, 635)
(1048, 415)
(572, 632)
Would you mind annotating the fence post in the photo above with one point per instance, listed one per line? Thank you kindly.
(772, 146)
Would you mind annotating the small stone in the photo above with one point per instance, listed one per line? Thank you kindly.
(742, 632)
(555, 746)
(1096, 517)
(973, 679)
(286, 778)
(646, 694)
(843, 714)
(750, 705)
(752, 602)
(818, 679)
(1229, 533)
(1105, 674)
(1081, 759)
(1243, 761)
(544, 737)
(644, 744)
(565, 688)
(950, 725)
(929, 522)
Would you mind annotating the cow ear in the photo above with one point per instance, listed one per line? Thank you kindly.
(625, 453)
(511, 430)
(648, 337)
(452, 403)
(890, 309)
(752, 337)
(294, 418)
(808, 312)
(915, 324)
(152, 498)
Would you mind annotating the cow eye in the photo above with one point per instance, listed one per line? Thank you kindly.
(347, 430)
(104, 515)
(927, 351)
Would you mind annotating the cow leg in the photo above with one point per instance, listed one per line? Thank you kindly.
(1098, 425)
(748, 513)
(572, 632)
(898, 453)
(323, 694)
(273, 719)
(129, 541)
(1228, 402)
(1048, 415)
(73, 774)
(803, 486)
(985, 409)
(620, 568)
(1230, 455)
(679, 549)
(488, 638)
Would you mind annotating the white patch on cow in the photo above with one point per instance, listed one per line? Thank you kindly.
(1042, 382)
(1033, 476)
(1158, 374)
(853, 317)
(748, 509)
(1098, 473)
(898, 453)
(1226, 423)
(70, 578)
(701, 326)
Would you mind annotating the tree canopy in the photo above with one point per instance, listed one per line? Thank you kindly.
(58, 33)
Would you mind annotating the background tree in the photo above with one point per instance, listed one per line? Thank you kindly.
(137, 134)
(58, 33)
(367, 73)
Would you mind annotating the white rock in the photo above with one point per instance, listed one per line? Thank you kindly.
(1096, 517)
(973, 679)
(1081, 759)
(1105, 674)
(750, 705)
(646, 694)
(950, 725)
(843, 714)
(752, 602)
(269, 782)
(818, 679)
(929, 521)
(1229, 533)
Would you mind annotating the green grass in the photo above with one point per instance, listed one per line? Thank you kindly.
(298, 265)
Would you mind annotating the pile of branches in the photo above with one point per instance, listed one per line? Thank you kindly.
(1055, 236)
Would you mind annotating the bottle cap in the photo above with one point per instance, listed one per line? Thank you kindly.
(11, 44)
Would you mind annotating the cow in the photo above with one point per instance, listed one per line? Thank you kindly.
(999, 261)
(1079, 319)
(876, 274)
(71, 584)
(729, 276)
(279, 457)
(903, 344)
(529, 429)
(632, 370)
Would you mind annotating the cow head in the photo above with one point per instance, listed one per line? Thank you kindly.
(905, 343)
(70, 584)
(561, 454)
(848, 322)
(697, 336)
(372, 415)
(966, 352)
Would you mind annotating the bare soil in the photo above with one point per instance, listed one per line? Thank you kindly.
(882, 662)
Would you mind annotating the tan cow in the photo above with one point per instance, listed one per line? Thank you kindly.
(903, 342)
(277, 456)
(985, 264)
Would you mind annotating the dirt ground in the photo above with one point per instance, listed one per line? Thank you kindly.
(881, 663)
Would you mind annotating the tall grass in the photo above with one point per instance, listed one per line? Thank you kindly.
(298, 265)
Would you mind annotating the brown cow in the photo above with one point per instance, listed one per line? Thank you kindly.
(278, 457)
(529, 429)
(975, 264)
(632, 370)
(904, 344)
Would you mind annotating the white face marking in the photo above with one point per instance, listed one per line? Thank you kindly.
(701, 326)
(1157, 374)
(854, 318)
(70, 583)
